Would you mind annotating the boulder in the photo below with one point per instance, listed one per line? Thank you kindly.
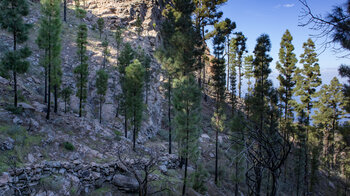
(26, 106)
(126, 183)
(8, 144)
(4, 179)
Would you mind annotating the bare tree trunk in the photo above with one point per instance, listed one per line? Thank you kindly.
(55, 97)
(65, 10)
(14, 70)
(169, 113)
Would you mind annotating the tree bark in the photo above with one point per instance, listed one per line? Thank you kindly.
(65, 10)
(15, 69)
(169, 113)
(55, 97)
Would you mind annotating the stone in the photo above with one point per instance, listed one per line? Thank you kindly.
(31, 158)
(125, 183)
(211, 155)
(8, 144)
(4, 179)
(17, 120)
(4, 81)
(26, 106)
(163, 169)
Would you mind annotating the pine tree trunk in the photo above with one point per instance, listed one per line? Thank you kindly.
(125, 122)
(45, 89)
(65, 10)
(236, 176)
(216, 140)
(81, 92)
(49, 78)
(134, 126)
(239, 80)
(100, 108)
(169, 113)
(55, 97)
(186, 153)
(14, 70)
(228, 63)
(65, 106)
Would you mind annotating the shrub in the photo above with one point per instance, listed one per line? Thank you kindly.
(199, 178)
(68, 146)
(117, 135)
(14, 110)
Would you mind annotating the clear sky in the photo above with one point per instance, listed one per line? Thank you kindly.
(273, 17)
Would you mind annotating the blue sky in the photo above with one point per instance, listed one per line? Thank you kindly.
(273, 17)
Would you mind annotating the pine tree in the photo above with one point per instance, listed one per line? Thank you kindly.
(344, 71)
(237, 50)
(138, 25)
(145, 60)
(101, 85)
(134, 82)
(248, 71)
(187, 118)
(219, 79)
(105, 52)
(261, 72)
(330, 109)
(205, 14)
(81, 71)
(11, 19)
(49, 40)
(118, 39)
(177, 54)
(100, 25)
(66, 93)
(286, 67)
(125, 59)
(307, 80)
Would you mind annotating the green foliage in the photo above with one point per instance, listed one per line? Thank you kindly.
(199, 179)
(105, 52)
(66, 93)
(286, 67)
(138, 25)
(118, 135)
(13, 109)
(344, 71)
(81, 71)
(248, 71)
(236, 53)
(145, 60)
(307, 79)
(100, 25)
(68, 146)
(186, 101)
(101, 82)
(134, 82)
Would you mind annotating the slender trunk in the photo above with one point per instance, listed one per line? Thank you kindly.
(169, 113)
(306, 166)
(186, 154)
(298, 174)
(81, 93)
(55, 97)
(65, 10)
(239, 79)
(125, 122)
(49, 78)
(216, 139)
(236, 176)
(45, 70)
(228, 63)
(65, 105)
(268, 184)
(15, 68)
(134, 126)
(100, 108)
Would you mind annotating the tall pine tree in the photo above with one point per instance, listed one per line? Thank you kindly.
(101, 85)
(219, 79)
(187, 118)
(134, 82)
(81, 71)
(307, 80)
(237, 50)
(286, 67)
(11, 19)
